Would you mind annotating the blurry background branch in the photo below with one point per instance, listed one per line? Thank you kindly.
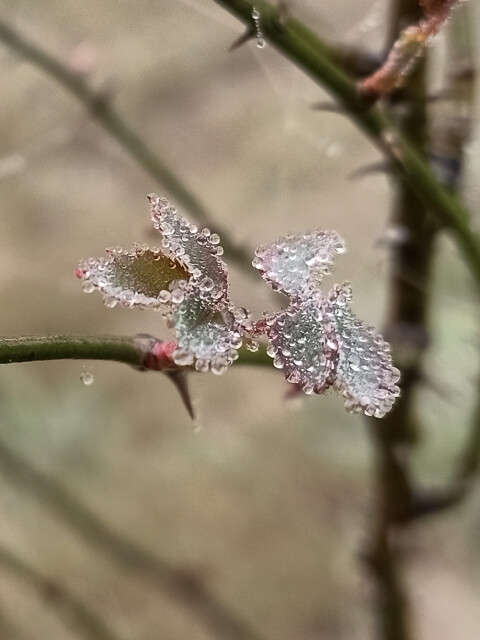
(77, 615)
(443, 132)
(182, 585)
(312, 55)
(100, 106)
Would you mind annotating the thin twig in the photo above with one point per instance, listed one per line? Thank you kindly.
(69, 607)
(183, 586)
(100, 107)
(313, 56)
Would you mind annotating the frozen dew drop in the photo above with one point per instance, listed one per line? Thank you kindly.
(110, 302)
(252, 345)
(177, 296)
(218, 366)
(201, 365)
(87, 377)
(182, 357)
(88, 287)
(164, 296)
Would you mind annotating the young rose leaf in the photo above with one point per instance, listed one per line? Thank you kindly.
(206, 335)
(319, 343)
(140, 277)
(198, 251)
(296, 264)
(303, 344)
(366, 376)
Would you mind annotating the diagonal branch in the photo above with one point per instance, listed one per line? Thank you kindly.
(101, 108)
(73, 611)
(181, 585)
(311, 55)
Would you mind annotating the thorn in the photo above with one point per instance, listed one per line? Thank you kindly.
(179, 379)
(443, 95)
(242, 39)
(329, 107)
(158, 357)
(439, 388)
(395, 235)
(366, 170)
(283, 13)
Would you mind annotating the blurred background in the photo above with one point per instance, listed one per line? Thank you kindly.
(267, 501)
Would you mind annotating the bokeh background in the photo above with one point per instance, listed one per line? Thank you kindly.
(268, 500)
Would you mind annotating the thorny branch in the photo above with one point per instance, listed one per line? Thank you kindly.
(314, 57)
(101, 108)
(142, 351)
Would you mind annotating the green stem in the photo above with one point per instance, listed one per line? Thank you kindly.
(126, 349)
(311, 55)
(101, 108)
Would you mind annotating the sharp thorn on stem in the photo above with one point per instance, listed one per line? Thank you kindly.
(370, 169)
(328, 107)
(247, 35)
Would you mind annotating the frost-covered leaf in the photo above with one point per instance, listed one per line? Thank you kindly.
(304, 345)
(319, 343)
(296, 264)
(198, 251)
(207, 337)
(140, 277)
(366, 376)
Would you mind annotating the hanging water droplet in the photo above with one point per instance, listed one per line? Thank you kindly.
(110, 302)
(87, 377)
(258, 27)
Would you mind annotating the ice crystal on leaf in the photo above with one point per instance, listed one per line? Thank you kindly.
(186, 279)
(139, 277)
(295, 265)
(316, 340)
(304, 345)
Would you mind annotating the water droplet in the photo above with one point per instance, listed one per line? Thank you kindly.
(164, 296)
(258, 27)
(177, 296)
(110, 302)
(87, 377)
(182, 357)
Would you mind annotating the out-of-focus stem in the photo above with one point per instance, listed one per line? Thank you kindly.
(75, 613)
(101, 108)
(183, 586)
